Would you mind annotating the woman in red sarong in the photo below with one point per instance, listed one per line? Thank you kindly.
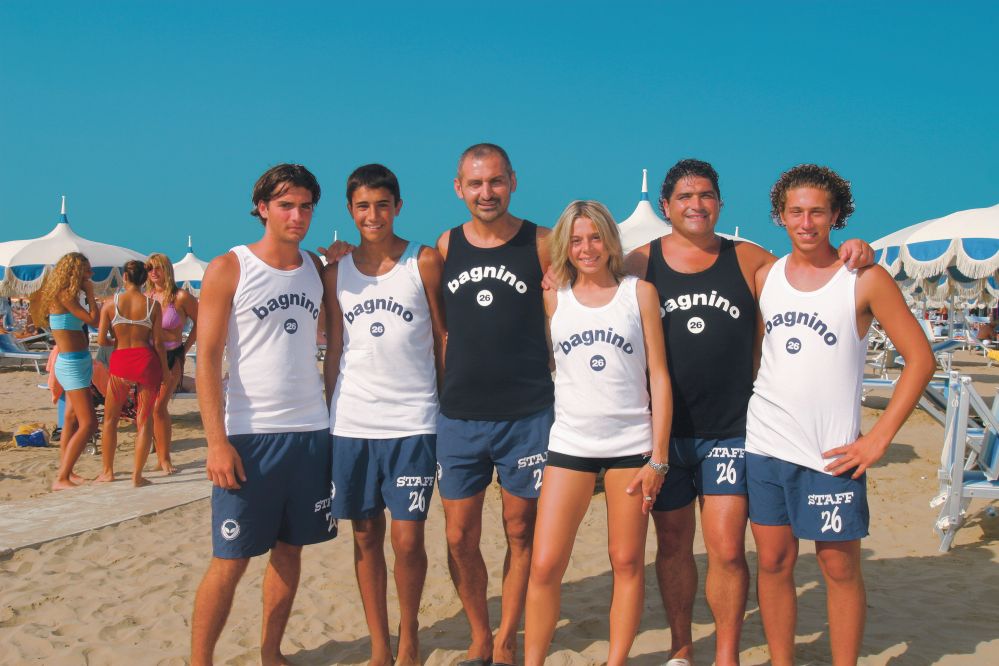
(134, 324)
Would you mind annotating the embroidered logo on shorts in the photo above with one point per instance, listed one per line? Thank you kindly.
(793, 346)
(484, 298)
(290, 326)
(440, 471)
(378, 329)
(229, 529)
(332, 490)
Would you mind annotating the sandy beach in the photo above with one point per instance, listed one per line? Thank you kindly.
(123, 594)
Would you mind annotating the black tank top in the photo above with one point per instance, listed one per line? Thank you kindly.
(709, 320)
(496, 365)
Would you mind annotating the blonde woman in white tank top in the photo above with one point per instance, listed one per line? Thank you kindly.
(607, 342)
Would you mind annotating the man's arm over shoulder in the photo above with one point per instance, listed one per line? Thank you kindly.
(751, 259)
(431, 266)
(636, 262)
(543, 243)
(224, 467)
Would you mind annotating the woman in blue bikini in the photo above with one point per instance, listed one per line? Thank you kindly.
(74, 367)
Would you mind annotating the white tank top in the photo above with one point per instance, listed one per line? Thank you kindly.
(387, 385)
(601, 387)
(274, 383)
(806, 399)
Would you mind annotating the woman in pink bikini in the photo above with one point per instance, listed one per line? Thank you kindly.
(178, 306)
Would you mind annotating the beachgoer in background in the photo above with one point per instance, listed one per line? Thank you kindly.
(134, 322)
(708, 304)
(806, 456)
(608, 346)
(385, 326)
(268, 440)
(59, 309)
(496, 402)
(178, 306)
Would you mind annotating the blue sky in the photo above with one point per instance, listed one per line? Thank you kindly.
(155, 118)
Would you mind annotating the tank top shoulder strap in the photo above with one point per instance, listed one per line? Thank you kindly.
(410, 261)
(655, 259)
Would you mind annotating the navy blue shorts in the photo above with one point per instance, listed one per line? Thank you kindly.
(817, 506)
(286, 495)
(699, 466)
(370, 475)
(467, 452)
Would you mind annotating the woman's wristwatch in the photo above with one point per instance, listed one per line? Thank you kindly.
(658, 468)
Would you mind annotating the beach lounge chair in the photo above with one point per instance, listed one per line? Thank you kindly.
(12, 348)
(969, 462)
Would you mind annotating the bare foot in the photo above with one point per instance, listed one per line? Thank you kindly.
(168, 469)
(279, 660)
(76, 478)
(141, 481)
(63, 485)
(105, 478)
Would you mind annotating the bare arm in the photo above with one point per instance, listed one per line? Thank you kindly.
(856, 253)
(879, 297)
(224, 466)
(431, 267)
(334, 332)
(550, 300)
(157, 339)
(188, 304)
(104, 331)
(442, 244)
(637, 261)
(661, 394)
(89, 316)
(759, 279)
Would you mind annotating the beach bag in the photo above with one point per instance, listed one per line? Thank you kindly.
(33, 434)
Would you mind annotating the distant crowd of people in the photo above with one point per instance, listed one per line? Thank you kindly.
(438, 372)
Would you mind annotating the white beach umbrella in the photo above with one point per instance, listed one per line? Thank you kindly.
(187, 272)
(888, 249)
(644, 225)
(25, 263)
(967, 240)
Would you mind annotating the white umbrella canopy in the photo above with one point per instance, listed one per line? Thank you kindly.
(888, 249)
(644, 225)
(25, 263)
(187, 272)
(967, 240)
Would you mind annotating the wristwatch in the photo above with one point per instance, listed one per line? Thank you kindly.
(658, 468)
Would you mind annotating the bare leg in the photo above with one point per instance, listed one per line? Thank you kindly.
(117, 388)
(144, 434)
(627, 527)
(162, 425)
(372, 581)
(565, 497)
(69, 428)
(410, 575)
(212, 605)
(519, 514)
(723, 523)
(676, 572)
(846, 600)
(83, 408)
(463, 528)
(777, 549)
(280, 586)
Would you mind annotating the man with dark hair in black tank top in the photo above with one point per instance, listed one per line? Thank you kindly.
(708, 304)
(496, 404)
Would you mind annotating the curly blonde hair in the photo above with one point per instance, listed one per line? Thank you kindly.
(564, 271)
(65, 279)
(162, 262)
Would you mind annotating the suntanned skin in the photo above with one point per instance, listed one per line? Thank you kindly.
(565, 494)
(80, 420)
(287, 218)
(485, 185)
(693, 209)
(131, 304)
(187, 308)
(374, 211)
(809, 216)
